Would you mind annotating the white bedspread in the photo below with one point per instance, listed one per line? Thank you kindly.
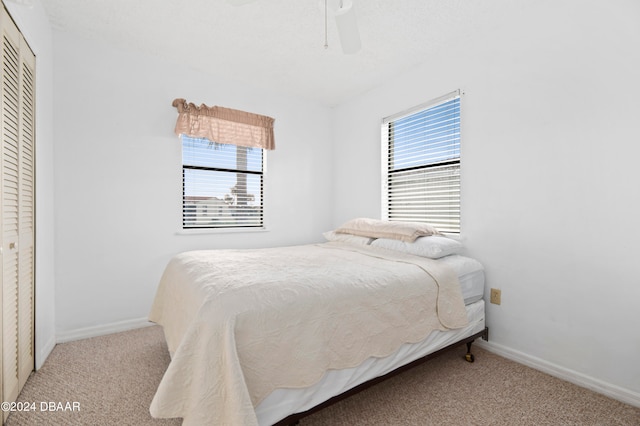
(241, 323)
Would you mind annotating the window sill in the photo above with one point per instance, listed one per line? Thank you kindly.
(208, 231)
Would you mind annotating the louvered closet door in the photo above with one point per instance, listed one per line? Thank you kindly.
(17, 209)
(10, 177)
(26, 215)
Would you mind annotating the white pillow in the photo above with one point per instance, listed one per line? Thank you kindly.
(347, 238)
(433, 247)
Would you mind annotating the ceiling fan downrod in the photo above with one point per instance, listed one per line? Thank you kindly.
(326, 38)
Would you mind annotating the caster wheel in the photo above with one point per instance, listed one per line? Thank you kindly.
(469, 358)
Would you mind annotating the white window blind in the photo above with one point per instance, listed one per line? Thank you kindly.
(421, 170)
(222, 185)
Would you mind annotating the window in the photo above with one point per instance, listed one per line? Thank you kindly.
(222, 185)
(421, 174)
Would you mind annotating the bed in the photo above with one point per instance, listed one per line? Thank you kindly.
(264, 336)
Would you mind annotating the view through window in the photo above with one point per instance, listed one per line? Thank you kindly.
(222, 185)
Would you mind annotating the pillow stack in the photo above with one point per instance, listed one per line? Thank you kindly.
(418, 239)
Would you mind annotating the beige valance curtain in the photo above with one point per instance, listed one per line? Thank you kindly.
(224, 125)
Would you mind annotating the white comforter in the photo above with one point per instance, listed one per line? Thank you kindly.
(241, 323)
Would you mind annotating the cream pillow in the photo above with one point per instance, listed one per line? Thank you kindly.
(375, 228)
(347, 238)
(433, 247)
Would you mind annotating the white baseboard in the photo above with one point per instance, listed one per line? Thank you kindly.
(44, 351)
(612, 391)
(101, 330)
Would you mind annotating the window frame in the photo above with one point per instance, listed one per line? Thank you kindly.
(453, 164)
(211, 228)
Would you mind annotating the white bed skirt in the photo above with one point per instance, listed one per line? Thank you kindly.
(284, 402)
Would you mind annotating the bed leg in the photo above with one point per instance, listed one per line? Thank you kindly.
(469, 356)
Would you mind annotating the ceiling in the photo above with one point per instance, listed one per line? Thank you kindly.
(279, 44)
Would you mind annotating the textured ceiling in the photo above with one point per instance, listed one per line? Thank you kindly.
(279, 44)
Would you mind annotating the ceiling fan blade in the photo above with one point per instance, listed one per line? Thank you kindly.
(348, 27)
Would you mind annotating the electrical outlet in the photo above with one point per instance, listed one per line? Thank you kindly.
(495, 296)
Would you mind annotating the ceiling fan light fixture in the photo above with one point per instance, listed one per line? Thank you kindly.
(347, 24)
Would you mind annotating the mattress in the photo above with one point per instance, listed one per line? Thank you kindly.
(470, 274)
(284, 402)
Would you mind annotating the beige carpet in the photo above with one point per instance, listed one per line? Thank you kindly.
(114, 377)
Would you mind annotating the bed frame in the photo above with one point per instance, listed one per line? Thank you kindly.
(294, 419)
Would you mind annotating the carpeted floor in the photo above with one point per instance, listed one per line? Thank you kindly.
(113, 379)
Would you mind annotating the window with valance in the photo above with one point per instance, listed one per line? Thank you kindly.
(223, 159)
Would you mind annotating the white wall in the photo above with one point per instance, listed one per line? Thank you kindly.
(34, 25)
(118, 177)
(550, 197)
